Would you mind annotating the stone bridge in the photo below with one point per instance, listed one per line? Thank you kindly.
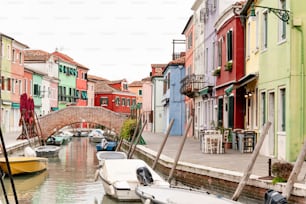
(54, 121)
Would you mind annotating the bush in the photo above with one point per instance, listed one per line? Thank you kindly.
(128, 129)
(281, 171)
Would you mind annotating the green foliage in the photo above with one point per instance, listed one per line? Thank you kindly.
(281, 171)
(128, 129)
(277, 180)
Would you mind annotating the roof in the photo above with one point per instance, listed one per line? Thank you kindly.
(96, 78)
(36, 55)
(68, 59)
(178, 61)
(135, 83)
(187, 24)
(103, 87)
(158, 65)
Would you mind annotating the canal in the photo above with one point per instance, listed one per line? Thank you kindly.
(68, 179)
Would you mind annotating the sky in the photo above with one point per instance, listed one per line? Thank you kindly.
(115, 39)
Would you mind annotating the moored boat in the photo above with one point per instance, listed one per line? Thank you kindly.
(156, 194)
(47, 151)
(106, 145)
(24, 165)
(120, 177)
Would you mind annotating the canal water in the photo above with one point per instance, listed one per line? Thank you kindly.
(68, 179)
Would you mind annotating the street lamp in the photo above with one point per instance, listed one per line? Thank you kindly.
(282, 14)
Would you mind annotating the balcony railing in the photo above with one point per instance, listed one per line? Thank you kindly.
(192, 84)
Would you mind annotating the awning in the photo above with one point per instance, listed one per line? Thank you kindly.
(15, 105)
(205, 91)
(229, 89)
(247, 79)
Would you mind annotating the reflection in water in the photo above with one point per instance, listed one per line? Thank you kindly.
(68, 179)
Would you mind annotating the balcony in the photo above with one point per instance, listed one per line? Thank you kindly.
(191, 85)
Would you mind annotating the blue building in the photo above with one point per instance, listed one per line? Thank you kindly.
(173, 100)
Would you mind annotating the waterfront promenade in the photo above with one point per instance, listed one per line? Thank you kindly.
(232, 160)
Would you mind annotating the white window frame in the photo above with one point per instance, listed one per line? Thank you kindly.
(264, 30)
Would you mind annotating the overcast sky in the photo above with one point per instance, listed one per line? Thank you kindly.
(115, 39)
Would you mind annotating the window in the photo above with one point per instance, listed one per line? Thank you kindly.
(25, 86)
(140, 92)
(13, 55)
(2, 83)
(133, 101)
(220, 112)
(257, 31)
(9, 84)
(20, 57)
(263, 108)
(13, 86)
(128, 102)
(104, 101)
(8, 52)
(229, 43)
(214, 56)
(117, 101)
(282, 110)
(282, 24)
(168, 81)
(189, 41)
(123, 102)
(36, 90)
(219, 53)
(265, 30)
(248, 40)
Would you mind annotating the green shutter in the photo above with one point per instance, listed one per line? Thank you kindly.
(220, 111)
(231, 112)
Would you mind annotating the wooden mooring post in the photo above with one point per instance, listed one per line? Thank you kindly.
(250, 166)
(137, 140)
(295, 172)
(163, 144)
(134, 136)
(179, 151)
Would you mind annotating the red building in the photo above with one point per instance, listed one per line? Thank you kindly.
(230, 96)
(81, 85)
(114, 95)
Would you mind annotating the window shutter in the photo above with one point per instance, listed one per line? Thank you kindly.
(231, 112)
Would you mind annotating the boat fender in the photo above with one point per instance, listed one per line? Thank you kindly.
(147, 201)
(144, 176)
(29, 152)
(104, 143)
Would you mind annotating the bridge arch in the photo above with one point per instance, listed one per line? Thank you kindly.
(54, 121)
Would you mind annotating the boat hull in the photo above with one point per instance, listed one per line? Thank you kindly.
(47, 151)
(120, 180)
(24, 165)
(152, 195)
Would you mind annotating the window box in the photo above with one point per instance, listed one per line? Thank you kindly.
(228, 66)
(217, 71)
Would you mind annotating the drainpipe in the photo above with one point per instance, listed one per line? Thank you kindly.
(298, 27)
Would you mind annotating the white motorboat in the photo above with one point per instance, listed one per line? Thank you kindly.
(120, 177)
(47, 151)
(156, 194)
(103, 155)
(96, 135)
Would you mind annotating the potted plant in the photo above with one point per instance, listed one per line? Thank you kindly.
(229, 66)
(217, 71)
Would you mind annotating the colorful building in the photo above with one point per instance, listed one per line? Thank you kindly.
(228, 91)
(67, 75)
(173, 101)
(157, 96)
(43, 62)
(114, 95)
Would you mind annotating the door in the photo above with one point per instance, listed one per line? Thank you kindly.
(271, 118)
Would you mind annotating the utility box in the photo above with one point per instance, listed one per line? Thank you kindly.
(274, 197)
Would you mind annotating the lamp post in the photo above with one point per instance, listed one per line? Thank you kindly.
(282, 14)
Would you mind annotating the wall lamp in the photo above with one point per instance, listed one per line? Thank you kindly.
(248, 95)
(282, 14)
